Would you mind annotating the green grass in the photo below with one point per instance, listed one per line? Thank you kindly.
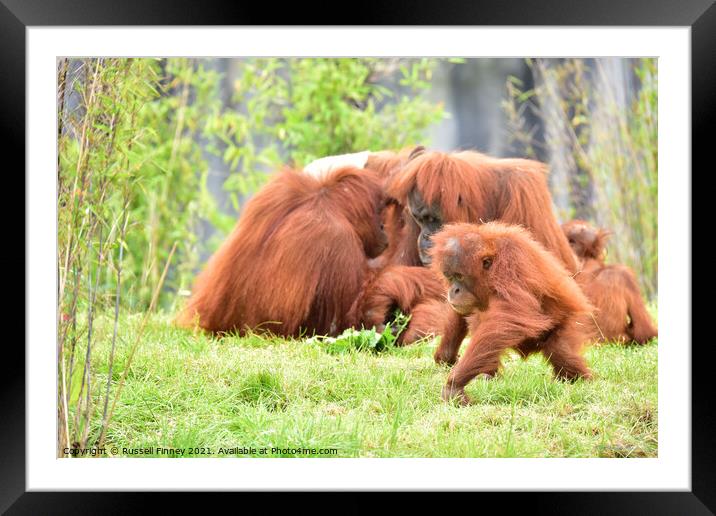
(185, 390)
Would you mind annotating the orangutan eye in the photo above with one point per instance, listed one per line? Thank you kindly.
(486, 263)
(458, 277)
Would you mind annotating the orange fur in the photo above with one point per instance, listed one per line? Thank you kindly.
(296, 260)
(520, 296)
(471, 187)
(427, 319)
(466, 187)
(416, 291)
(388, 164)
(613, 289)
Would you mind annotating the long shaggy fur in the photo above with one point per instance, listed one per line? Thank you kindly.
(296, 260)
(401, 234)
(387, 163)
(473, 187)
(467, 187)
(416, 291)
(531, 302)
(620, 313)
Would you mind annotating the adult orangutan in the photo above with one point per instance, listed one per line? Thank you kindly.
(297, 260)
(613, 289)
(386, 164)
(416, 291)
(510, 293)
(440, 188)
(434, 188)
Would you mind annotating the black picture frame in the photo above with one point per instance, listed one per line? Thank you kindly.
(17, 15)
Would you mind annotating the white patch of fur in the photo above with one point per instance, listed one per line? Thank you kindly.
(321, 167)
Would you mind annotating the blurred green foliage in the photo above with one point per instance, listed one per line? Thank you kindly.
(298, 110)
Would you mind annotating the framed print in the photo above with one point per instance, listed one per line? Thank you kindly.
(448, 256)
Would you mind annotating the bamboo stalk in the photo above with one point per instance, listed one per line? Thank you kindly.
(116, 314)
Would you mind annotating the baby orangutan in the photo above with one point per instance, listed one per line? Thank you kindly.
(511, 293)
(620, 313)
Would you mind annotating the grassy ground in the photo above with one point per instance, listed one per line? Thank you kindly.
(186, 391)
